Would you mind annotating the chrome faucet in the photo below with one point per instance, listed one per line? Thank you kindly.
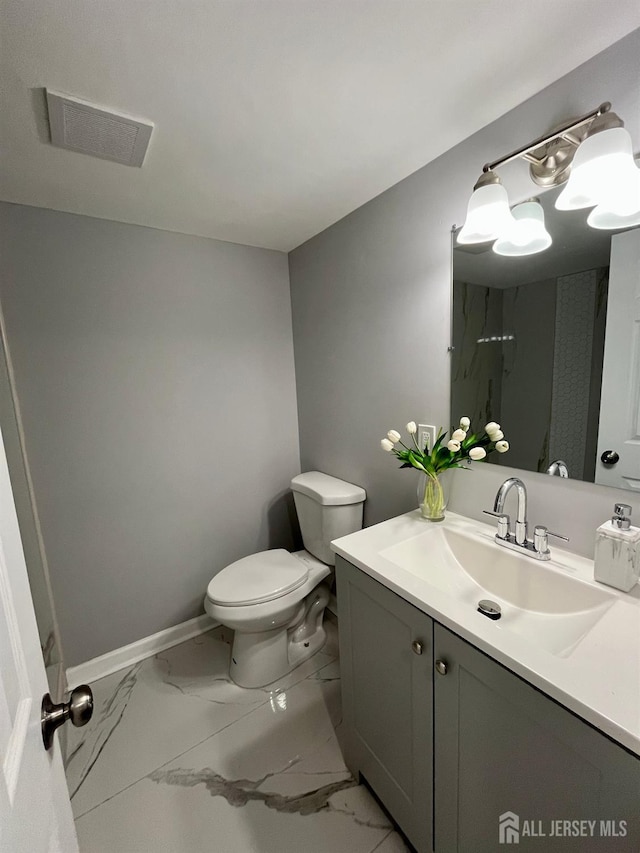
(538, 547)
(521, 517)
(559, 468)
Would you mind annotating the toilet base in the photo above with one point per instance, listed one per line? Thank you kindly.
(260, 658)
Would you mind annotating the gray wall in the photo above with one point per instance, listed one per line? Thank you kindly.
(371, 310)
(156, 381)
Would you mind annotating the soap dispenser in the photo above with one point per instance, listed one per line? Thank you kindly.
(617, 555)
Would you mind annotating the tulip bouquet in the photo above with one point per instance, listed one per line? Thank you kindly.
(464, 445)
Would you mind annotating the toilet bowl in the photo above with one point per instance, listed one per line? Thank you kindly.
(273, 600)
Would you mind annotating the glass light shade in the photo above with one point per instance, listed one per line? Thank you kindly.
(607, 220)
(527, 234)
(622, 210)
(600, 173)
(488, 215)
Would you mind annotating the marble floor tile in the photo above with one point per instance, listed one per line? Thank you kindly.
(156, 710)
(393, 843)
(273, 780)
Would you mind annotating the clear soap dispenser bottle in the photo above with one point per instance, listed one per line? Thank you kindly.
(617, 555)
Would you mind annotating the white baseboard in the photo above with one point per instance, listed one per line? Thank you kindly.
(97, 668)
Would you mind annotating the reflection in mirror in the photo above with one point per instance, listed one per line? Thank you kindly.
(549, 346)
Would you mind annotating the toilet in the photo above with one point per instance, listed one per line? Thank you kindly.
(275, 600)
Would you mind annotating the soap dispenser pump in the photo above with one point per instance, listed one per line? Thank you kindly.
(620, 518)
(617, 554)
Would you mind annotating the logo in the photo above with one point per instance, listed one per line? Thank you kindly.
(509, 828)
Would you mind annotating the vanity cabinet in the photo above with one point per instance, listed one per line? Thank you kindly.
(386, 654)
(503, 746)
(492, 742)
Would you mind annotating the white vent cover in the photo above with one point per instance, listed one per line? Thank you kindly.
(82, 127)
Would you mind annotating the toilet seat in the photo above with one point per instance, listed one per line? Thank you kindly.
(257, 578)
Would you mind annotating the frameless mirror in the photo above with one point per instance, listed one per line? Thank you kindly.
(548, 345)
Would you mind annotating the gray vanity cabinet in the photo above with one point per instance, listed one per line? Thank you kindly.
(450, 740)
(503, 746)
(386, 655)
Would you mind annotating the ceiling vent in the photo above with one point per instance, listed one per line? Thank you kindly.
(83, 127)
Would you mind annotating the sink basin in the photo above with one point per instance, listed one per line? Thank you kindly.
(540, 601)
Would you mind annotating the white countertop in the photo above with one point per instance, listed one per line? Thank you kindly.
(598, 678)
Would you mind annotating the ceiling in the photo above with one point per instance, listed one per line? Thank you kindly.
(273, 118)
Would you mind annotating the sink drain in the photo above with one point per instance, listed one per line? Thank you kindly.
(489, 608)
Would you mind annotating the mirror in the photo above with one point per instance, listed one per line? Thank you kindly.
(548, 345)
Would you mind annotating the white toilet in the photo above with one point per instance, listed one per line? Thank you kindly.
(274, 600)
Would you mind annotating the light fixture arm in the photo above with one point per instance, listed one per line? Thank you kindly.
(550, 155)
(563, 132)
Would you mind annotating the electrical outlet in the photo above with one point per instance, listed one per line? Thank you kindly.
(426, 435)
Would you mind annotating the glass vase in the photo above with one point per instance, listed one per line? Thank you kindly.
(433, 495)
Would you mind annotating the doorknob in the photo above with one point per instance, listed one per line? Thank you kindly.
(78, 709)
(609, 457)
(441, 667)
(417, 647)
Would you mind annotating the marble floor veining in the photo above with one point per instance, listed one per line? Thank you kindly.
(179, 759)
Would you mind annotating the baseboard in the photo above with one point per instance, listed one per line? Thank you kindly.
(97, 668)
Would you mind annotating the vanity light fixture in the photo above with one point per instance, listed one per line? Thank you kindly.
(527, 234)
(603, 174)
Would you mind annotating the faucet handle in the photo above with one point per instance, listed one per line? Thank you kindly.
(503, 522)
(540, 540)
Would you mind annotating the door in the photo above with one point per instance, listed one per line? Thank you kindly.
(512, 766)
(386, 663)
(35, 812)
(619, 429)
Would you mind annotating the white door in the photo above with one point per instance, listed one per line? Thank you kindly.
(620, 403)
(35, 812)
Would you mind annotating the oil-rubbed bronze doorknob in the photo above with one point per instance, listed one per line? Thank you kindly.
(609, 457)
(78, 709)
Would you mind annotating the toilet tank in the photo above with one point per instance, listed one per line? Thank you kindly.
(327, 508)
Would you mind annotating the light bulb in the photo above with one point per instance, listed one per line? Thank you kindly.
(527, 234)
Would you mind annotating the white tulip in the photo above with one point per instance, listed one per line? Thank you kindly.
(386, 445)
(477, 453)
(459, 435)
(502, 446)
(412, 429)
(496, 435)
(465, 423)
(394, 436)
(453, 446)
(491, 427)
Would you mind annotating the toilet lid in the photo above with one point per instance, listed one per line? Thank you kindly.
(257, 578)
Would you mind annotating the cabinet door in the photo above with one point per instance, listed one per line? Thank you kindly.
(387, 694)
(502, 746)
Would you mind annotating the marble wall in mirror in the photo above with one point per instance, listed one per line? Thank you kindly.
(548, 345)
